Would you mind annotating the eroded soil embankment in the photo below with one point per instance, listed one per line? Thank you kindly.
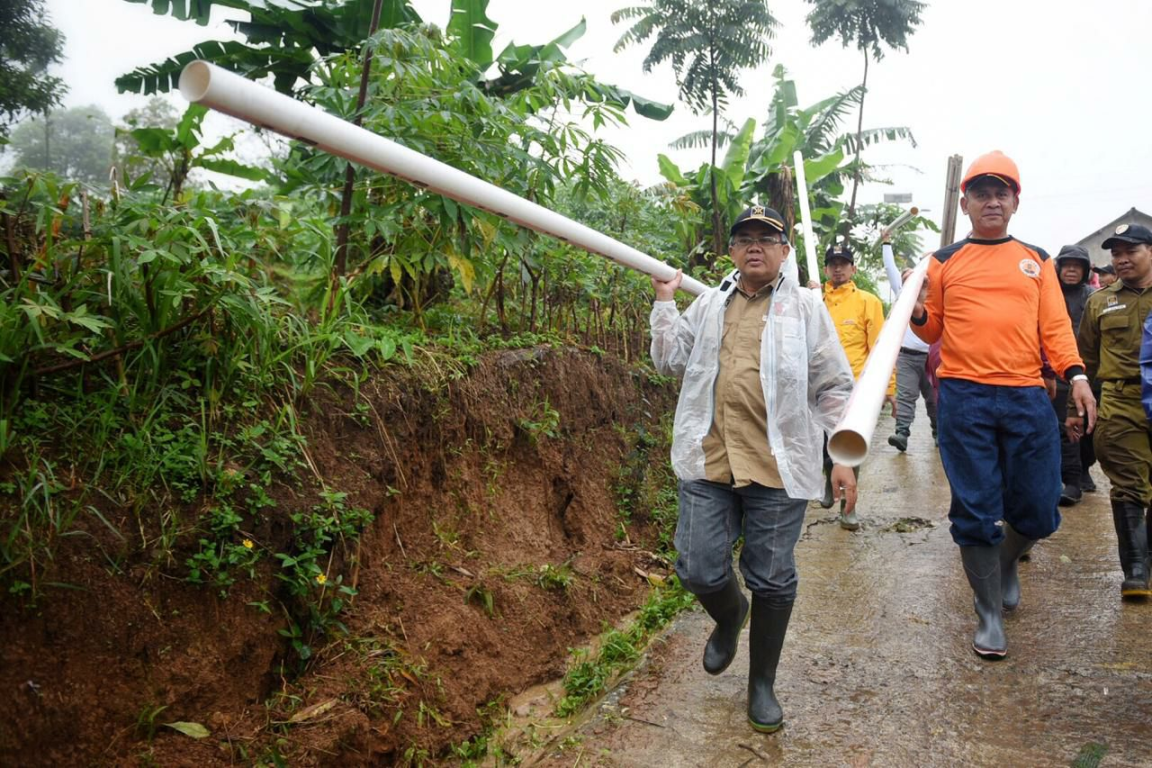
(495, 547)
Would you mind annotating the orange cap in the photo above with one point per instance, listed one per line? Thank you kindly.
(995, 164)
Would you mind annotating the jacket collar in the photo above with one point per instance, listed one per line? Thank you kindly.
(844, 290)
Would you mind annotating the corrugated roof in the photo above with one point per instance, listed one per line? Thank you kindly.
(1101, 257)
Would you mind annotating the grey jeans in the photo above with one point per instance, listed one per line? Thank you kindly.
(912, 382)
(712, 517)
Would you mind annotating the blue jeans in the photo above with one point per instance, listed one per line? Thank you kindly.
(712, 517)
(1000, 447)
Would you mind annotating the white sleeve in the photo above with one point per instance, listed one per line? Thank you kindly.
(890, 267)
(673, 336)
(830, 378)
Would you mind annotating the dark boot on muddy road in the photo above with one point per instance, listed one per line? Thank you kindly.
(770, 618)
(1132, 541)
(826, 501)
(982, 567)
(1012, 548)
(729, 609)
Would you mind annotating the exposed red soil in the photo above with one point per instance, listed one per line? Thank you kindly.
(454, 611)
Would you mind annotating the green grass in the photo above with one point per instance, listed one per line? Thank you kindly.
(589, 677)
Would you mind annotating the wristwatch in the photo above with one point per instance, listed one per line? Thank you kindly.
(1079, 377)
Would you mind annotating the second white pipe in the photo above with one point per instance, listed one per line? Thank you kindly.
(806, 216)
(849, 442)
(224, 91)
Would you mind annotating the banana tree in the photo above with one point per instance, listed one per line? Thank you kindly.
(284, 38)
(697, 187)
(816, 132)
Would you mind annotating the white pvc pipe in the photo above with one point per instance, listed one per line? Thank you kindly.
(849, 442)
(806, 217)
(224, 91)
(902, 219)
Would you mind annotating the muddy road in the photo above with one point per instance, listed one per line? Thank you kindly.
(878, 668)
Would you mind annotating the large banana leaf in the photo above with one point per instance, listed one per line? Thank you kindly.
(736, 158)
(817, 168)
(286, 31)
(653, 110)
(200, 10)
(671, 171)
(821, 121)
(874, 135)
(286, 64)
(473, 30)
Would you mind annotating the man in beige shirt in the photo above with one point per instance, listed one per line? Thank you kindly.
(764, 378)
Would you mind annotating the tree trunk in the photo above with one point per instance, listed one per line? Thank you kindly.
(342, 230)
(859, 132)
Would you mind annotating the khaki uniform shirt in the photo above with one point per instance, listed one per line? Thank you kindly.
(1111, 330)
(736, 449)
(1109, 341)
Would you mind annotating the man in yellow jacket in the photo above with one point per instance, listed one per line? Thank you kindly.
(858, 317)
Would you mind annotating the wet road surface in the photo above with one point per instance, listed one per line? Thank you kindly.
(878, 669)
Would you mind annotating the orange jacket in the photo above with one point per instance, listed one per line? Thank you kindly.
(996, 303)
(858, 316)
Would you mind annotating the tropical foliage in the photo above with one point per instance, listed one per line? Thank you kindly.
(865, 24)
(28, 45)
(758, 166)
(708, 43)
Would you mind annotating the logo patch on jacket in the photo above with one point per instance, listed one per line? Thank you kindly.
(1030, 268)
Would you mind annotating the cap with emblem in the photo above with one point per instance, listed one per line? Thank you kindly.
(760, 213)
(839, 252)
(1128, 233)
(996, 165)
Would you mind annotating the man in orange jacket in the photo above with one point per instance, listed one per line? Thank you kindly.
(995, 302)
(858, 316)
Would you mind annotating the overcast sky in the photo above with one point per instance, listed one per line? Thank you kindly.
(1059, 85)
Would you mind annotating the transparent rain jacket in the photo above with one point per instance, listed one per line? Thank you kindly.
(803, 371)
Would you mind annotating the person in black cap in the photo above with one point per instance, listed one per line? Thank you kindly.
(1072, 267)
(764, 380)
(858, 316)
(1109, 341)
(1105, 275)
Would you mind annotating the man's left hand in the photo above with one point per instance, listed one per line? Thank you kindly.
(844, 483)
(891, 400)
(1085, 404)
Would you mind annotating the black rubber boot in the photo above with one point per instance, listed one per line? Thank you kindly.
(982, 567)
(826, 501)
(765, 641)
(1087, 484)
(1012, 548)
(1132, 538)
(899, 440)
(1070, 495)
(729, 609)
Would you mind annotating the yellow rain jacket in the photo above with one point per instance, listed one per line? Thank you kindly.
(858, 317)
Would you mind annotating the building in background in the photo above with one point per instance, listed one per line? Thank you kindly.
(1101, 257)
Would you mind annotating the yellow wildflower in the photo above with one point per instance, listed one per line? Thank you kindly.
(248, 544)
(321, 578)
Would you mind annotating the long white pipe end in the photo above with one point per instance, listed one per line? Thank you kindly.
(848, 447)
(194, 81)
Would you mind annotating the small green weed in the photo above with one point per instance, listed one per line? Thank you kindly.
(588, 677)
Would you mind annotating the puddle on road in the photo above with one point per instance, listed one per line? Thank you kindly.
(908, 525)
